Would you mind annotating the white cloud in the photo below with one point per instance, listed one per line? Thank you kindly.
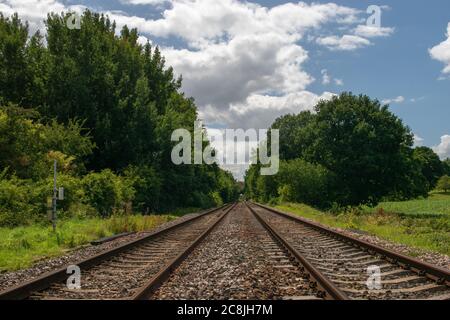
(443, 149)
(399, 99)
(441, 52)
(344, 43)
(373, 31)
(414, 100)
(339, 82)
(143, 40)
(141, 2)
(327, 79)
(259, 111)
(35, 11)
(418, 141)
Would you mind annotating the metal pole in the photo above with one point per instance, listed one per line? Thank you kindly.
(54, 197)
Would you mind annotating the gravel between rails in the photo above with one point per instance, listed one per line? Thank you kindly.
(10, 279)
(435, 258)
(346, 265)
(238, 260)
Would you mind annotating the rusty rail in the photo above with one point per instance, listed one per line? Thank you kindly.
(432, 272)
(24, 290)
(327, 289)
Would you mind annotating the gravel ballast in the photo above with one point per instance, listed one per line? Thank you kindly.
(9, 279)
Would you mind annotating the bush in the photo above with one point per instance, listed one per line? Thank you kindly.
(16, 205)
(107, 192)
(147, 184)
(201, 200)
(444, 183)
(300, 181)
(216, 198)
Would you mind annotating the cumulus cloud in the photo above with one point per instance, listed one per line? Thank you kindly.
(418, 141)
(36, 11)
(344, 43)
(327, 79)
(142, 2)
(441, 52)
(373, 31)
(443, 149)
(236, 52)
(259, 111)
(399, 99)
(339, 82)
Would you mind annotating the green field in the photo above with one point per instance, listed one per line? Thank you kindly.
(436, 205)
(22, 246)
(423, 224)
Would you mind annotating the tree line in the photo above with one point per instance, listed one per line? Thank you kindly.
(350, 151)
(103, 106)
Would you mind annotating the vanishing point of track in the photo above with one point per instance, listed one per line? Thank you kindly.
(244, 251)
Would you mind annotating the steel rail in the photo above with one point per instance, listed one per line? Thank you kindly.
(435, 273)
(146, 291)
(24, 290)
(328, 290)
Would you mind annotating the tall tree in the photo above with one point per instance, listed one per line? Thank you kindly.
(430, 165)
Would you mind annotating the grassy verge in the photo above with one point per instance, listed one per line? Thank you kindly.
(430, 233)
(21, 247)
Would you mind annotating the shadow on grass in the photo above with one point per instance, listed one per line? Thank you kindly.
(442, 193)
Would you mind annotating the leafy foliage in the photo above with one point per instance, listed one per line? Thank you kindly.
(444, 183)
(355, 142)
(96, 102)
(446, 166)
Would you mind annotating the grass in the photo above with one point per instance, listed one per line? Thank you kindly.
(22, 246)
(437, 204)
(427, 232)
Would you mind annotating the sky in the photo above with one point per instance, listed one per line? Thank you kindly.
(247, 63)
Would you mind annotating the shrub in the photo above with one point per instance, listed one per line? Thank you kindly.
(147, 184)
(216, 198)
(201, 200)
(107, 192)
(300, 181)
(16, 205)
(444, 183)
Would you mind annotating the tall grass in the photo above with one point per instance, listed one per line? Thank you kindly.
(428, 232)
(22, 246)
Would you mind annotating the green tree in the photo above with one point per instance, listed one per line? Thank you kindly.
(364, 144)
(94, 100)
(28, 147)
(430, 164)
(295, 134)
(446, 166)
(444, 183)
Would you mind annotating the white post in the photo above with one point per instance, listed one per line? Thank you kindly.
(54, 197)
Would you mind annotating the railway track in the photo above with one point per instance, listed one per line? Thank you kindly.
(341, 265)
(244, 251)
(131, 271)
(240, 260)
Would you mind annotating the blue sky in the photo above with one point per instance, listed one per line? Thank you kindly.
(247, 63)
